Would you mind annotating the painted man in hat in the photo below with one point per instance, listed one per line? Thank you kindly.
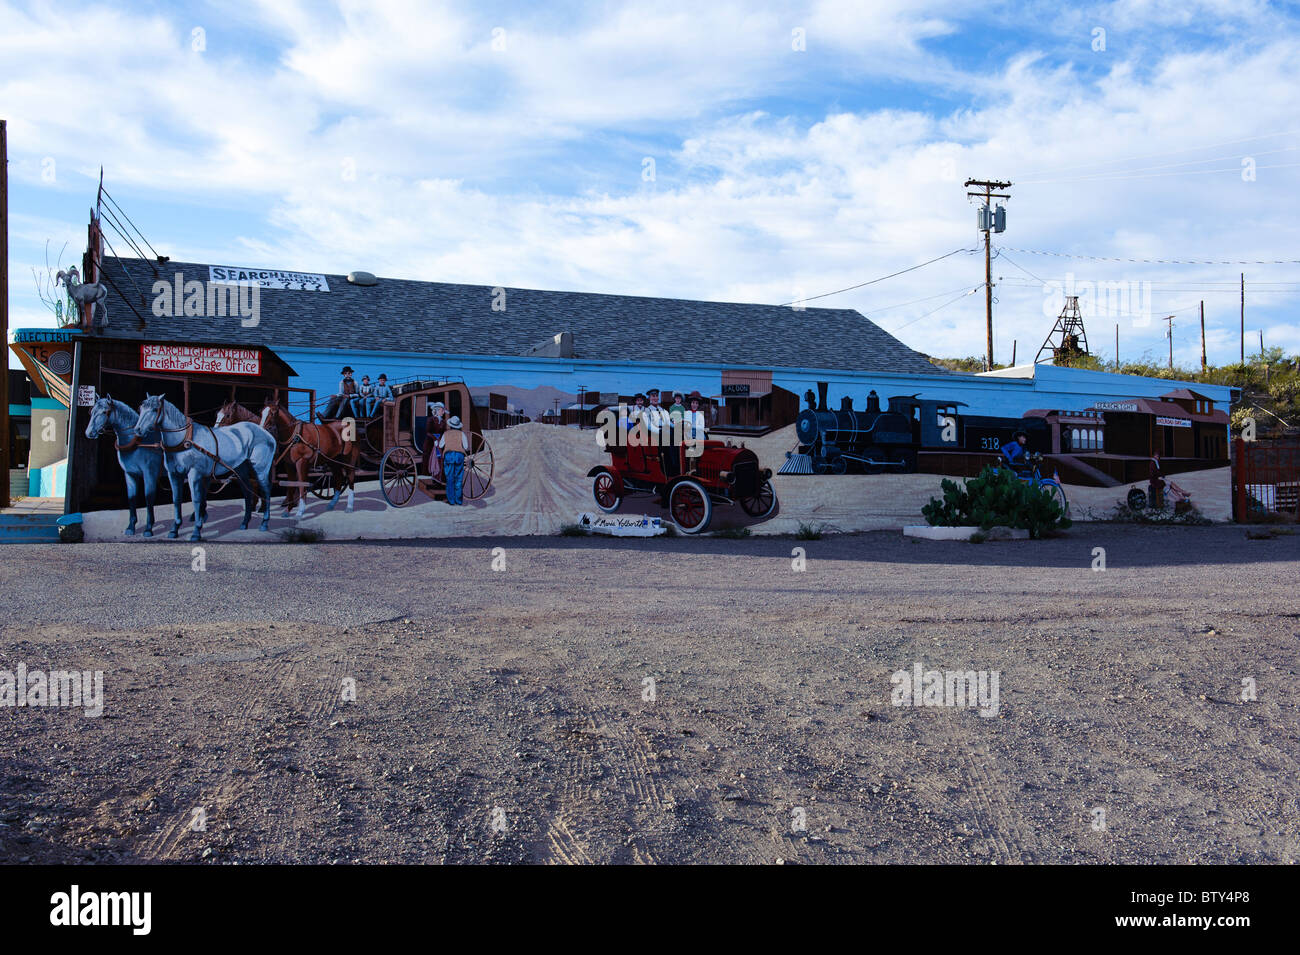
(341, 403)
(659, 423)
(382, 393)
(635, 412)
(453, 443)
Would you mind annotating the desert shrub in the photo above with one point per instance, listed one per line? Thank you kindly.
(574, 530)
(996, 498)
(808, 532)
(302, 535)
(732, 532)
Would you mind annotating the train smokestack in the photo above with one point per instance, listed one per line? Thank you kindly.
(821, 395)
(846, 403)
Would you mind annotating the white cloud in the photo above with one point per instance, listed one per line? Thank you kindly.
(523, 167)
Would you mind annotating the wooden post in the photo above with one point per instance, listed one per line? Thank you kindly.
(1243, 318)
(1202, 337)
(988, 296)
(1239, 476)
(70, 504)
(4, 312)
(1013, 353)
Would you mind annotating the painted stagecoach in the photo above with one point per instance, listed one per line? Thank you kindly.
(395, 445)
(399, 441)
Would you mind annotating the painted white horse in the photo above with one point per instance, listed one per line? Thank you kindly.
(193, 450)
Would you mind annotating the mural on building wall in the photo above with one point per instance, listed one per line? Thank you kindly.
(438, 456)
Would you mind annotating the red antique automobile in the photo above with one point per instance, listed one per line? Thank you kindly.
(721, 474)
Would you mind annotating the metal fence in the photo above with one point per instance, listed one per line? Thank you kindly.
(1265, 478)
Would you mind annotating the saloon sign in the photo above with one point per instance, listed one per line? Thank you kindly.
(200, 359)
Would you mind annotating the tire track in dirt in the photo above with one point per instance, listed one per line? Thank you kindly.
(583, 809)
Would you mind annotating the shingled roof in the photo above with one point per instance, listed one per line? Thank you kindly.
(438, 317)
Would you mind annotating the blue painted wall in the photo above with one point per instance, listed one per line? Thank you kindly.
(1050, 388)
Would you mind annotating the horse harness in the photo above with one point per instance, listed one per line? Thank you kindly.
(189, 444)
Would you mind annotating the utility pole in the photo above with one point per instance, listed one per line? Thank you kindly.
(987, 225)
(1117, 346)
(1202, 337)
(1243, 318)
(1170, 333)
(4, 312)
(1013, 353)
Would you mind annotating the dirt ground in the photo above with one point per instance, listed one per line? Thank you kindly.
(502, 715)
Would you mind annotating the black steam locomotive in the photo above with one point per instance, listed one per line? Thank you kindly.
(876, 440)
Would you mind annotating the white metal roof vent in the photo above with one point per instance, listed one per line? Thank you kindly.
(362, 278)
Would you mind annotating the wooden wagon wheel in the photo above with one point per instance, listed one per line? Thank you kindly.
(322, 484)
(398, 474)
(478, 468)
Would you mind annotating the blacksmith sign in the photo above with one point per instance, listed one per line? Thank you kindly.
(201, 359)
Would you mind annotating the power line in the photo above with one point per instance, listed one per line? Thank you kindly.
(1172, 152)
(1112, 258)
(1170, 165)
(915, 301)
(1154, 175)
(933, 310)
(891, 275)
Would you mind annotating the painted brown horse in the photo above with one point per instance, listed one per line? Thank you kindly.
(332, 444)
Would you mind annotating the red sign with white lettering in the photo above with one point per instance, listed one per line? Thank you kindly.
(202, 360)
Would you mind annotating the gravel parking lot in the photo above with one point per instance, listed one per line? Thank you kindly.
(672, 700)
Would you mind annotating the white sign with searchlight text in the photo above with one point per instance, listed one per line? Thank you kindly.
(267, 278)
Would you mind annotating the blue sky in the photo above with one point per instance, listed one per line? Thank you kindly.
(504, 144)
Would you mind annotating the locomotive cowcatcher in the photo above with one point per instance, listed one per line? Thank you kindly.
(721, 474)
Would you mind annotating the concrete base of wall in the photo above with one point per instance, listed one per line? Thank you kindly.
(49, 481)
(925, 532)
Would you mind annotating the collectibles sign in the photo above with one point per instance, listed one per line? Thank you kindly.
(267, 278)
(203, 360)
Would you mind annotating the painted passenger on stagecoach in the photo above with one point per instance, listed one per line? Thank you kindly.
(382, 394)
(365, 399)
(342, 404)
(434, 426)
